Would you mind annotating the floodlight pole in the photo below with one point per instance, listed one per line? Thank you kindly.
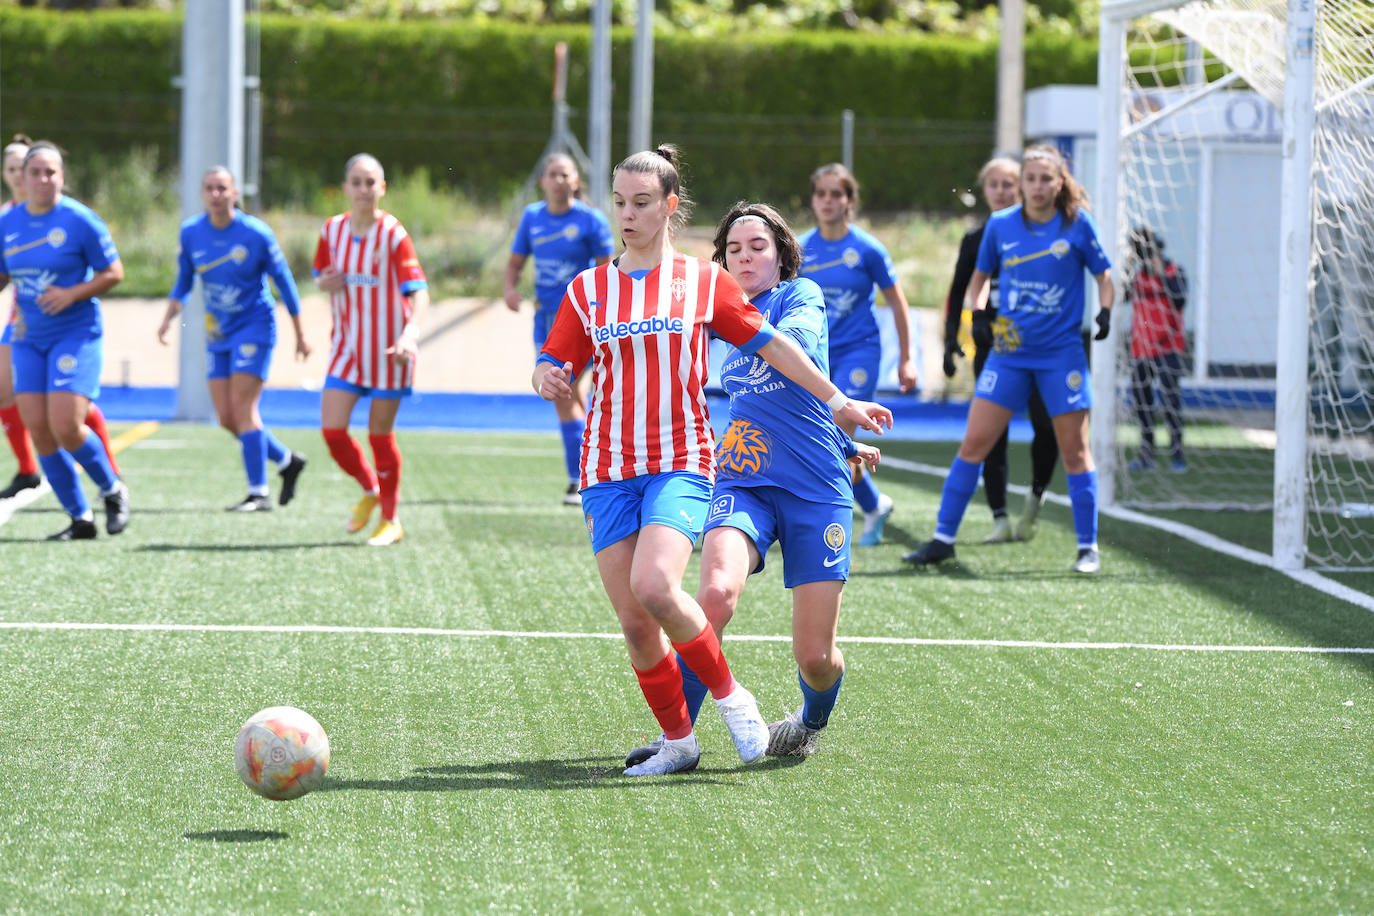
(599, 108)
(212, 118)
(1011, 76)
(642, 80)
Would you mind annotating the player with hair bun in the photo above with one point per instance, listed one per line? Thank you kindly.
(564, 236)
(850, 265)
(233, 254)
(648, 452)
(28, 476)
(60, 257)
(378, 294)
(1041, 247)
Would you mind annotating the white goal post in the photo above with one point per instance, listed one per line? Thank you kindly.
(1239, 135)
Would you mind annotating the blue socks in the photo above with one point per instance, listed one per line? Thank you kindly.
(572, 448)
(1083, 498)
(277, 453)
(91, 456)
(61, 473)
(692, 688)
(254, 445)
(866, 493)
(816, 704)
(960, 484)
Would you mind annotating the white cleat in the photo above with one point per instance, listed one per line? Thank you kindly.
(1089, 560)
(742, 717)
(791, 738)
(674, 756)
(1030, 517)
(1001, 531)
(872, 534)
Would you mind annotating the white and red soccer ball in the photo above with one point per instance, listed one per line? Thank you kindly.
(281, 753)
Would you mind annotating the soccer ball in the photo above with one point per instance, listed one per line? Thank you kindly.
(281, 753)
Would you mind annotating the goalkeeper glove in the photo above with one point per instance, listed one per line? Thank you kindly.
(982, 329)
(1104, 324)
(952, 349)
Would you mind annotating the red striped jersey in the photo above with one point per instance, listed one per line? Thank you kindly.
(371, 311)
(647, 340)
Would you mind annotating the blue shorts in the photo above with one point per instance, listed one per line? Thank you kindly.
(543, 321)
(616, 509)
(240, 358)
(1064, 384)
(70, 363)
(814, 536)
(334, 383)
(6, 334)
(855, 370)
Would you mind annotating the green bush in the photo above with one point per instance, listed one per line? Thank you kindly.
(755, 113)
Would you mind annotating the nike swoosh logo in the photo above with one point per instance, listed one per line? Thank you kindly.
(1075, 399)
(1008, 246)
(832, 561)
(59, 382)
(11, 237)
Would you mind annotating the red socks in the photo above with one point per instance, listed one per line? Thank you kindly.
(662, 686)
(348, 454)
(702, 654)
(387, 458)
(96, 421)
(19, 439)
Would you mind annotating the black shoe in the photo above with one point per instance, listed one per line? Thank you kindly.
(288, 477)
(81, 529)
(117, 509)
(20, 483)
(933, 551)
(253, 503)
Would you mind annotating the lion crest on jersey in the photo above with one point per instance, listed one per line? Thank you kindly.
(1074, 380)
(834, 536)
(1059, 248)
(66, 363)
(858, 377)
(743, 450)
(56, 236)
(1006, 337)
(570, 233)
(850, 257)
(239, 254)
(678, 287)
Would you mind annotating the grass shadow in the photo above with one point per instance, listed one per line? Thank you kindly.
(536, 775)
(236, 836)
(244, 548)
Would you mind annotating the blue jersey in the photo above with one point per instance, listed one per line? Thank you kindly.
(563, 245)
(1040, 291)
(849, 272)
(780, 434)
(63, 247)
(233, 264)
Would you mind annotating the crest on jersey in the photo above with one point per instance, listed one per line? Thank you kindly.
(66, 363)
(744, 449)
(1074, 380)
(570, 233)
(1006, 336)
(247, 350)
(56, 236)
(588, 517)
(858, 377)
(834, 536)
(1059, 248)
(678, 288)
(239, 254)
(850, 257)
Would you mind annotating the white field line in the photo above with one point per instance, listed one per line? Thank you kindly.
(1326, 586)
(552, 634)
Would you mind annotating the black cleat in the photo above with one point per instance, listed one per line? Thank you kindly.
(20, 483)
(81, 529)
(288, 478)
(117, 509)
(933, 551)
(253, 503)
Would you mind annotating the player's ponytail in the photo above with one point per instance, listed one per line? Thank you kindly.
(664, 161)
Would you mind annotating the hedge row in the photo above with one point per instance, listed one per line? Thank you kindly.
(754, 113)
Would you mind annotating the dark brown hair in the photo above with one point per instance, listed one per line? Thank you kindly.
(847, 181)
(1071, 197)
(664, 161)
(789, 249)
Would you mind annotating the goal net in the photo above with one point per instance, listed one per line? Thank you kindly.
(1202, 209)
